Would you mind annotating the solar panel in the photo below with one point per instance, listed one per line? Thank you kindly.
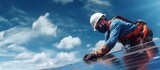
(141, 57)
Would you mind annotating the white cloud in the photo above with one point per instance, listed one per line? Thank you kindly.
(22, 20)
(1, 35)
(71, 58)
(48, 64)
(97, 5)
(20, 35)
(16, 19)
(20, 17)
(60, 60)
(39, 57)
(88, 45)
(32, 61)
(16, 48)
(13, 9)
(27, 61)
(63, 1)
(63, 55)
(24, 55)
(17, 35)
(41, 60)
(16, 65)
(100, 2)
(100, 43)
(24, 59)
(44, 26)
(2, 19)
(11, 39)
(5, 53)
(155, 38)
(117, 47)
(12, 50)
(79, 30)
(69, 42)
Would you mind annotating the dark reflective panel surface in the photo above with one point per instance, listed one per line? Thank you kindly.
(140, 57)
(139, 60)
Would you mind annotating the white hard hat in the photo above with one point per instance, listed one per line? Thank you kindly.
(95, 18)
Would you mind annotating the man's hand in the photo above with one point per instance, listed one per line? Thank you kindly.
(89, 57)
(98, 53)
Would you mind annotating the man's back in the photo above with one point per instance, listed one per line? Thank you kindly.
(125, 27)
(118, 28)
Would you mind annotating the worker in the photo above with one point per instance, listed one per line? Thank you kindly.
(118, 29)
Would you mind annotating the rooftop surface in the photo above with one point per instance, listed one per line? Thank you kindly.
(137, 58)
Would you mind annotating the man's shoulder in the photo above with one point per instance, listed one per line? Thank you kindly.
(116, 22)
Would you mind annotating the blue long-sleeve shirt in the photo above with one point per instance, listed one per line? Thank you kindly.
(118, 28)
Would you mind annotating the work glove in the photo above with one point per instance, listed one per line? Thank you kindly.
(98, 53)
(89, 57)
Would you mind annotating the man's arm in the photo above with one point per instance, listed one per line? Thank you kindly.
(115, 29)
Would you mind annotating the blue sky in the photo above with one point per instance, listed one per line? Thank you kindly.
(52, 33)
